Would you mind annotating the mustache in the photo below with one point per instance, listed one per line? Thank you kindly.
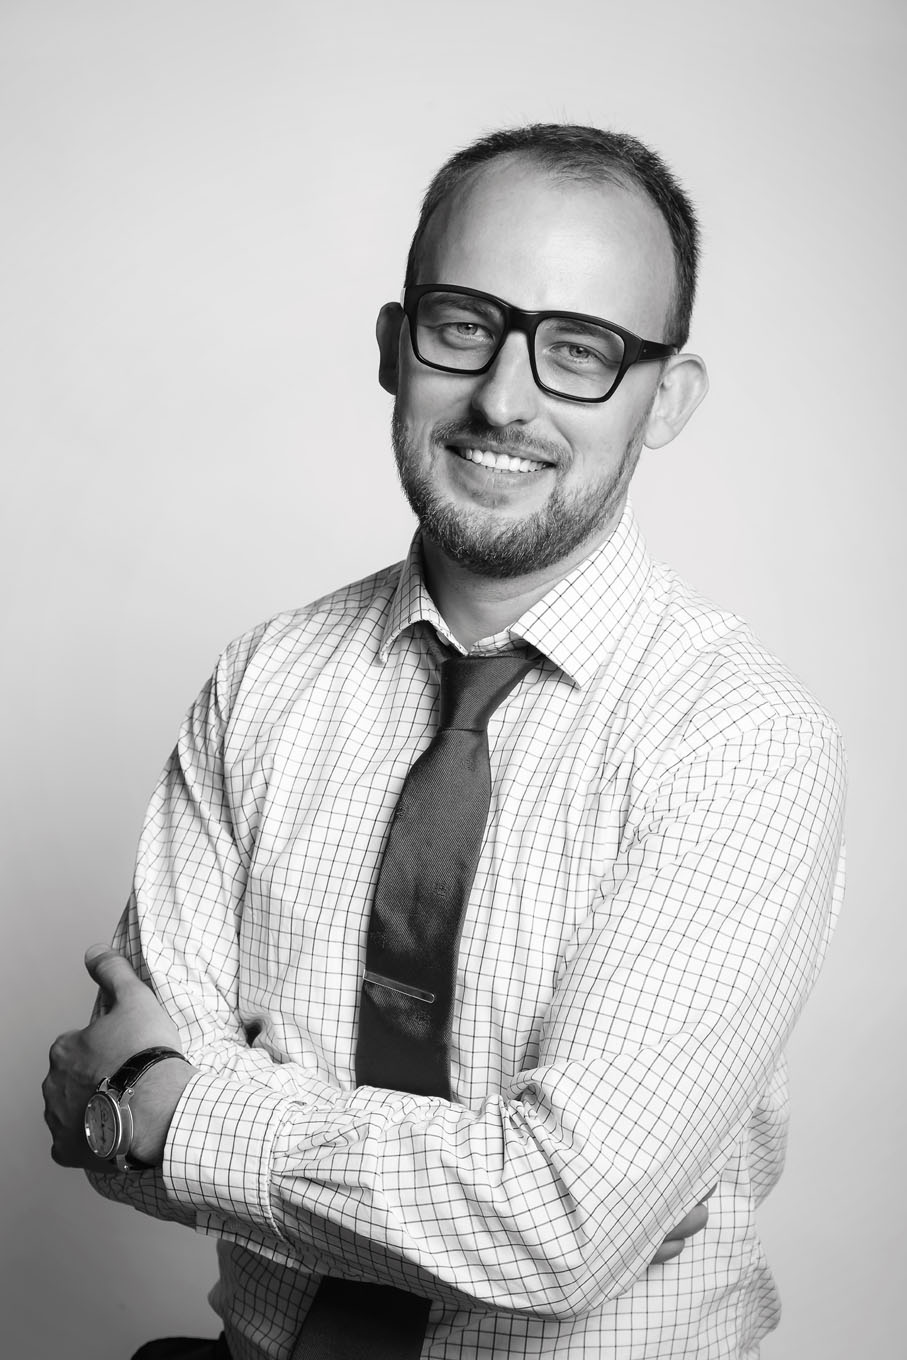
(509, 439)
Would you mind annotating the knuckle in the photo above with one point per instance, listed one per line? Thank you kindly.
(59, 1049)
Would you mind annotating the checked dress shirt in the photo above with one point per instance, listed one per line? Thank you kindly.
(659, 877)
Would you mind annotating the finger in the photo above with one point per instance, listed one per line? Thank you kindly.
(110, 970)
(667, 1251)
(691, 1223)
(709, 1193)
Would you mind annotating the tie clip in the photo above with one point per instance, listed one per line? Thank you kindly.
(403, 987)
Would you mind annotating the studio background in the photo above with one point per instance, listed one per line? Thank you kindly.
(204, 204)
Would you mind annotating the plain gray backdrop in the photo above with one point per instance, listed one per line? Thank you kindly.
(204, 203)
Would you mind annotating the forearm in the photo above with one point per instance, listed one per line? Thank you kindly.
(496, 1204)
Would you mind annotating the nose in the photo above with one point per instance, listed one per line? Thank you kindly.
(507, 394)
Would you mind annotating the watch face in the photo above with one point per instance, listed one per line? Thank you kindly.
(103, 1125)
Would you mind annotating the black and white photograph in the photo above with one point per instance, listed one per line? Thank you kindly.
(454, 665)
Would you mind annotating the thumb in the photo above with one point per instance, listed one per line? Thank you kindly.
(110, 970)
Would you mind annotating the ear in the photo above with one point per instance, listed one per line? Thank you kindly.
(387, 333)
(683, 385)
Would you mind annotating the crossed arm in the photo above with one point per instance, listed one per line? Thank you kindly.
(129, 1019)
(344, 1173)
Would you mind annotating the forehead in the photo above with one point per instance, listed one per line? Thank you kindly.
(542, 241)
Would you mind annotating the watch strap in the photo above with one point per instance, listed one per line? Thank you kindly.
(129, 1072)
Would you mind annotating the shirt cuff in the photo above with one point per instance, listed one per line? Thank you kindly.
(220, 1147)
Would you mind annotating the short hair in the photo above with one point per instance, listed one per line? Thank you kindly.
(586, 154)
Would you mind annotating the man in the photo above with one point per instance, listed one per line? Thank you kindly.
(656, 882)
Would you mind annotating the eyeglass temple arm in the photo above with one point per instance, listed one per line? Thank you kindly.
(652, 349)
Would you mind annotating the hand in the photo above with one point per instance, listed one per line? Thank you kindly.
(130, 1019)
(691, 1223)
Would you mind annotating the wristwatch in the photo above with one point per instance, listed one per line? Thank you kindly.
(108, 1117)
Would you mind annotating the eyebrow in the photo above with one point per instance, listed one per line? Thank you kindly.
(472, 304)
(581, 327)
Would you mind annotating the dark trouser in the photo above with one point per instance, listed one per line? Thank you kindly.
(184, 1348)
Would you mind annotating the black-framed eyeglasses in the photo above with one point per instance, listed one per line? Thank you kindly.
(578, 357)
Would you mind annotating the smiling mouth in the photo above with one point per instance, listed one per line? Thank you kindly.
(500, 462)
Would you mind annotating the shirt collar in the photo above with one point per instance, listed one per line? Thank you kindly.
(576, 624)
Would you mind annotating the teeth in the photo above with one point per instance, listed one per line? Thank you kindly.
(501, 461)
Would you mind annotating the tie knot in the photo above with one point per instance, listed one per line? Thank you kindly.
(473, 686)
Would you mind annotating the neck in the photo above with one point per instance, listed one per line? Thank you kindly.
(475, 606)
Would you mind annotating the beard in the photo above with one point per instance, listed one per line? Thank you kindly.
(492, 545)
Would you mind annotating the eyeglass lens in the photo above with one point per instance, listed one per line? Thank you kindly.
(574, 358)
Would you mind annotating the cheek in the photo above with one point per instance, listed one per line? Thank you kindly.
(590, 441)
(413, 407)
(424, 398)
(600, 440)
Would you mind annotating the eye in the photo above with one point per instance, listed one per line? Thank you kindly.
(450, 321)
(581, 347)
(576, 355)
(464, 333)
(581, 354)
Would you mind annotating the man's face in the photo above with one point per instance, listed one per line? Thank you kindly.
(542, 244)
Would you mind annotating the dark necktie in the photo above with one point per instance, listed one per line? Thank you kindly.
(406, 1004)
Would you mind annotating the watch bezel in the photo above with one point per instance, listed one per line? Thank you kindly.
(121, 1117)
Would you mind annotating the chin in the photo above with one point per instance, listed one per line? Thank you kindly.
(503, 547)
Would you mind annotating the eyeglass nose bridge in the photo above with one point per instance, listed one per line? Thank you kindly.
(526, 323)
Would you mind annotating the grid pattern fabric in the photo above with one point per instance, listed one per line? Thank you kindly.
(658, 880)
